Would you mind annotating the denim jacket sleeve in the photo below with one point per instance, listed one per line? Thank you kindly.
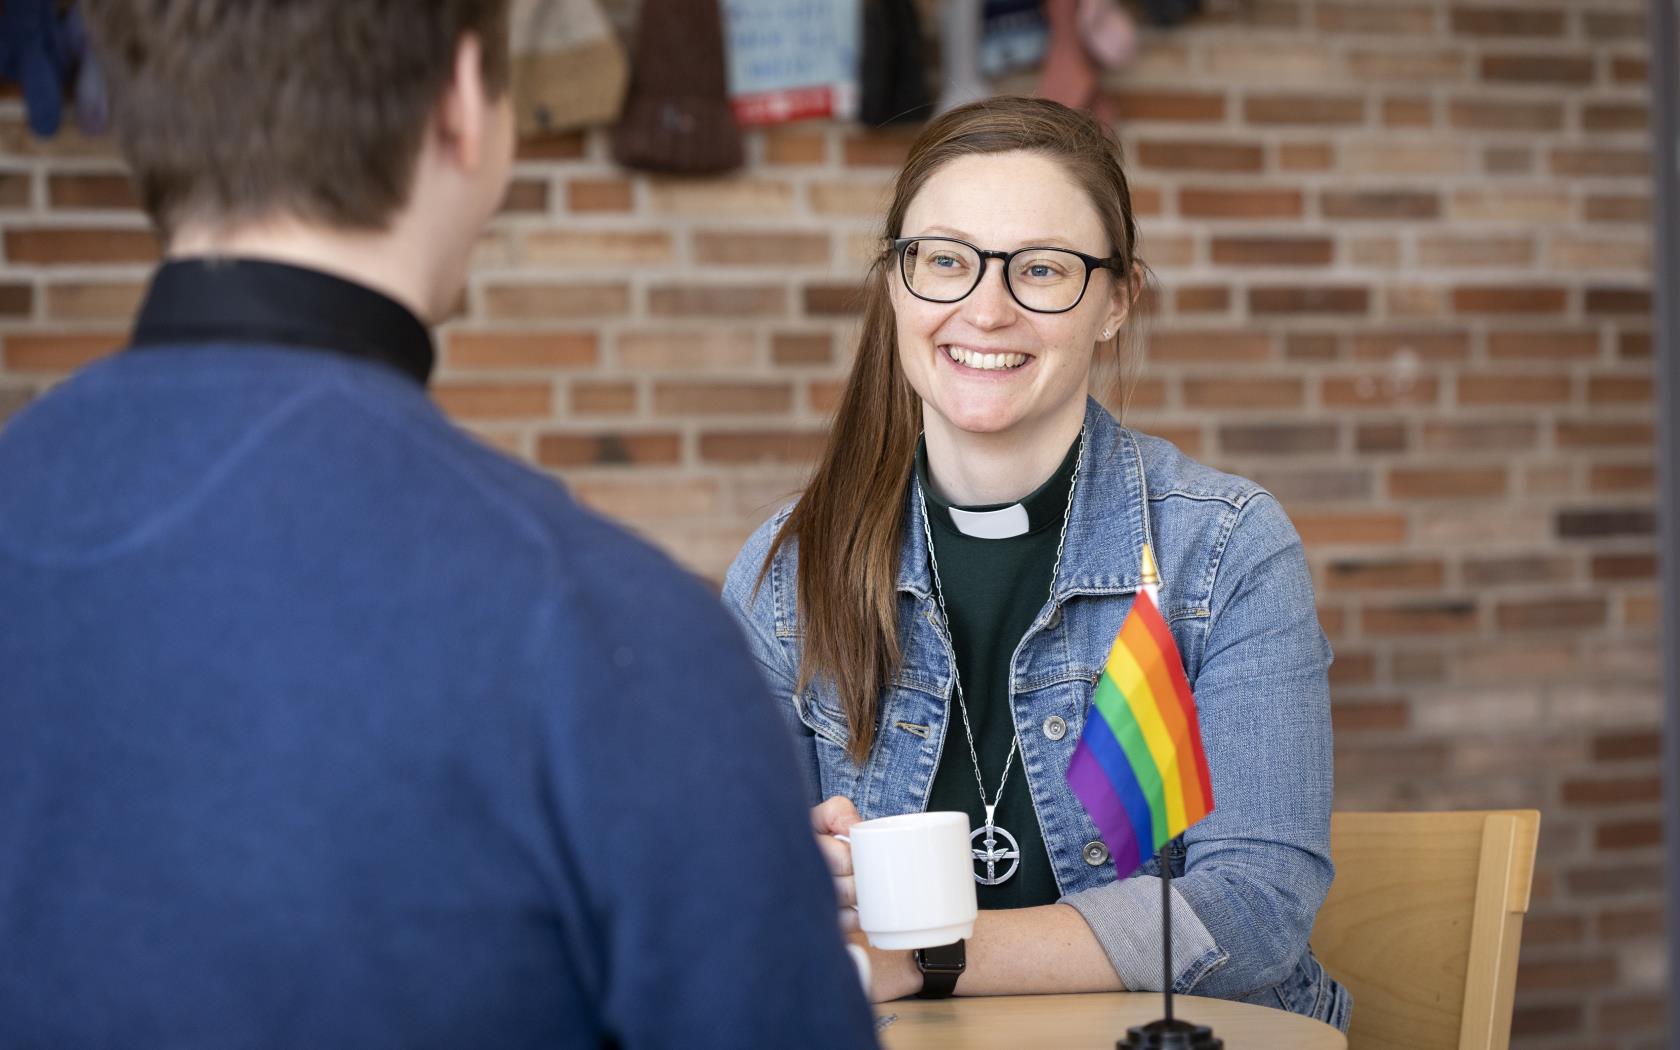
(755, 610)
(1258, 867)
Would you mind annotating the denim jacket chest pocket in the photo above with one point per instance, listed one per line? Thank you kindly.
(909, 728)
(821, 714)
(819, 709)
(1091, 624)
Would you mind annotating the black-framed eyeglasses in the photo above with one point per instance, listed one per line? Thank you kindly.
(1043, 280)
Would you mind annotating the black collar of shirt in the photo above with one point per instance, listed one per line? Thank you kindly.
(1046, 505)
(231, 301)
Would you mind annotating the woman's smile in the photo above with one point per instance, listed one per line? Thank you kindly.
(981, 359)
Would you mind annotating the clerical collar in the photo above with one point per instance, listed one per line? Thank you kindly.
(1042, 508)
(235, 301)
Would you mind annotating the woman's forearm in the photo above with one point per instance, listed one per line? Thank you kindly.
(1022, 951)
(1027, 951)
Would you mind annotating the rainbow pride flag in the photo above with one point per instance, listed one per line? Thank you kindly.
(1139, 768)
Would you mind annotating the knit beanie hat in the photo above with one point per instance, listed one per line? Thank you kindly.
(677, 117)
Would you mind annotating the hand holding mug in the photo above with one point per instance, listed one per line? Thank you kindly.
(831, 821)
(906, 882)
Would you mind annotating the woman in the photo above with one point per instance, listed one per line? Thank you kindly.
(973, 499)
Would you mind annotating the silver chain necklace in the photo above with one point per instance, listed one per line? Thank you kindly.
(988, 851)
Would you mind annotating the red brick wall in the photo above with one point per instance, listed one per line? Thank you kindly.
(1404, 259)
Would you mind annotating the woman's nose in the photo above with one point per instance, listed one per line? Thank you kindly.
(990, 305)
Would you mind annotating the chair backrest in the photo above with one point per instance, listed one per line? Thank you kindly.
(1423, 923)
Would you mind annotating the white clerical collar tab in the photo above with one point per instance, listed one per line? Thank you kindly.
(991, 524)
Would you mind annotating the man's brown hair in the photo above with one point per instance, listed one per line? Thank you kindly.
(234, 110)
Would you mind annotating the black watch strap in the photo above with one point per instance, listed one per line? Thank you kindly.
(940, 968)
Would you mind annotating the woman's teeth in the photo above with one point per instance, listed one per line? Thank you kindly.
(985, 362)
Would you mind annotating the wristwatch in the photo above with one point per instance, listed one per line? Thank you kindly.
(940, 968)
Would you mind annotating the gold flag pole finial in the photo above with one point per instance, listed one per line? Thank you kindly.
(1150, 584)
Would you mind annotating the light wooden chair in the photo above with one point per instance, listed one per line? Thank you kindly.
(1423, 923)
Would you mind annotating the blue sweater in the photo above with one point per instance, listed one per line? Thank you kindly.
(322, 725)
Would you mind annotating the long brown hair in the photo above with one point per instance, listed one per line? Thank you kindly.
(849, 523)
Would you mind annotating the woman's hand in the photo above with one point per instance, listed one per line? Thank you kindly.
(836, 817)
(892, 974)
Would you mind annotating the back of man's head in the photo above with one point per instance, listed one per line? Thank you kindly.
(236, 111)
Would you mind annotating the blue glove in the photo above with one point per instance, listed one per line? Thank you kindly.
(33, 52)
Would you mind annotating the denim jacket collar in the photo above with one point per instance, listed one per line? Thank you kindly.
(1110, 463)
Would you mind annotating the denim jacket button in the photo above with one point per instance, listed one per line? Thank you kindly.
(1096, 854)
(1054, 727)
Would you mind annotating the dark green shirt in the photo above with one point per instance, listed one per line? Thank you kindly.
(994, 589)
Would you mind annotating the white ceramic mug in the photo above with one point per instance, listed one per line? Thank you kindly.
(915, 879)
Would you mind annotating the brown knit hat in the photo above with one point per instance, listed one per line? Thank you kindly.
(677, 116)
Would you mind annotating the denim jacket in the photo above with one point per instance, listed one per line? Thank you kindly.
(1235, 590)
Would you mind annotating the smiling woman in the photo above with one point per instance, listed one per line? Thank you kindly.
(934, 609)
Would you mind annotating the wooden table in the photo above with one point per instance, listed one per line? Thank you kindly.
(1088, 1022)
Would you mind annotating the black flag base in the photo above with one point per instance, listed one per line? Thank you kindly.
(1170, 1035)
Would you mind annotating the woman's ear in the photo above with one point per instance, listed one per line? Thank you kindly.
(888, 262)
(1126, 291)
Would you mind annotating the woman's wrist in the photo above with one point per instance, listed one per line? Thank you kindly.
(893, 975)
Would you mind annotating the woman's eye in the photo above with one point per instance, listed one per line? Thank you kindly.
(945, 261)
